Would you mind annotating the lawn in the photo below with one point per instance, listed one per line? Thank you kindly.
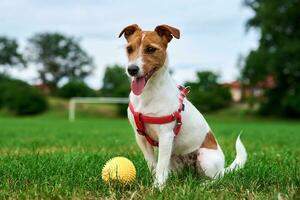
(48, 157)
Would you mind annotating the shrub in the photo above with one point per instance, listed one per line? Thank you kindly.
(288, 104)
(116, 84)
(210, 100)
(3, 81)
(206, 94)
(76, 88)
(20, 97)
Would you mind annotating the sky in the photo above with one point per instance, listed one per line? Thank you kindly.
(213, 33)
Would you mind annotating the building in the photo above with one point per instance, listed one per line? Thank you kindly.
(237, 90)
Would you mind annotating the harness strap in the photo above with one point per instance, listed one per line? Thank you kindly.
(141, 119)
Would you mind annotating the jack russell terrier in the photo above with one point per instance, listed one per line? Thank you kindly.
(161, 115)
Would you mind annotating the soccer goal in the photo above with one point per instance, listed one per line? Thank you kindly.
(92, 100)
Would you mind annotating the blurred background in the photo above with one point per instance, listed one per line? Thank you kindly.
(238, 55)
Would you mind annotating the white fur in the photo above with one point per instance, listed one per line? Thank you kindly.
(211, 161)
(160, 97)
(143, 36)
(240, 158)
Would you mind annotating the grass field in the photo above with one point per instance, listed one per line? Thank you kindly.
(49, 157)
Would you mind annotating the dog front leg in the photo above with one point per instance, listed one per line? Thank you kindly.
(164, 156)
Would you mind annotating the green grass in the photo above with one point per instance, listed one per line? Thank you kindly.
(48, 157)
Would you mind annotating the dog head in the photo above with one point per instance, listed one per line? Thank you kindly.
(146, 51)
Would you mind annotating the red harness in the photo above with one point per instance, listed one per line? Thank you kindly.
(141, 120)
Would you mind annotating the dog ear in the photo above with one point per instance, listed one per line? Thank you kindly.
(129, 30)
(167, 31)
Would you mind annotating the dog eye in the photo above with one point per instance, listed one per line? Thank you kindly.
(150, 50)
(129, 50)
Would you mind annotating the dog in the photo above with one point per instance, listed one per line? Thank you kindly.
(183, 140)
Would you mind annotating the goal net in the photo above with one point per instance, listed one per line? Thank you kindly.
(92, 100)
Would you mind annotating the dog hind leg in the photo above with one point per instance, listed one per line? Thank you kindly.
(210, 158)
(210, 162)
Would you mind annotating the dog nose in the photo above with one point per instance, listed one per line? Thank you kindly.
(133, 70)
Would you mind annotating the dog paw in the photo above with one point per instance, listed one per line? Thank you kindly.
(152, 169)
(159, 185)
(159, 182)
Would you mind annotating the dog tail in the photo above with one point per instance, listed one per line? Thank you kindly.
(240, 158)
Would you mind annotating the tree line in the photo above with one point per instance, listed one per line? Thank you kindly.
(277, 56)
(55, 55)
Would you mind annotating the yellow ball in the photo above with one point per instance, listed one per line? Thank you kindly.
(119, 169)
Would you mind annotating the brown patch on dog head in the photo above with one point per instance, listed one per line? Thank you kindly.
(147, 49)
(133, 46)
(129, 30)
(153, 51)
(209, 141)
(167, 32)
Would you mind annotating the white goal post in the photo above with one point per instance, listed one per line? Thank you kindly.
(93, 100)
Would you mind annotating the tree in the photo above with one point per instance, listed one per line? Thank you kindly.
(58, 57)
(9, 54)
(76, 88)
(277, 54)
(116, 84)
(206, 94)
(21, 98)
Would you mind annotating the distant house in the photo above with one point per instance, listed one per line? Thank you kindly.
(237, 90)
(44, 88)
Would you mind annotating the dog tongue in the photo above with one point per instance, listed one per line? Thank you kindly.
(137, 85)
